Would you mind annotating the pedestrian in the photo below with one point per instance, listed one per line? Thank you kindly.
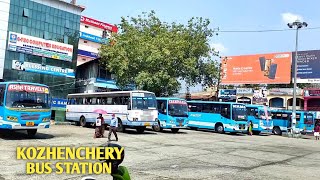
(113, 127)
(250, 128)
(98, 127)
(317, 130)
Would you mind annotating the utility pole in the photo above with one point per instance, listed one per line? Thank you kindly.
(297, 25)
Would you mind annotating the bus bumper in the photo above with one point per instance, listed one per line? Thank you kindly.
(14, 125)
(235, 128)
(173, 126)
(140, 123)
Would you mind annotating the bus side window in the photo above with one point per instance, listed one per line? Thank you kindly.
(193, 108)
(215, 108)
(298, 117)
(2, 90)
(225, 111)
(207, 108)
(162, 107)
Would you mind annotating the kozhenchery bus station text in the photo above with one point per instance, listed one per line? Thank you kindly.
(67, 159)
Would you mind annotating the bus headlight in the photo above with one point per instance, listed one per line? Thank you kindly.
(12, 118)
(46, 119)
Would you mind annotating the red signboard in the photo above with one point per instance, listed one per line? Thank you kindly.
(28, 88)
(98, 24)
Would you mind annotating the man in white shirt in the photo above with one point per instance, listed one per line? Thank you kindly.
(113, 127)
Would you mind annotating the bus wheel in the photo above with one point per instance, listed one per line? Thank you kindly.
(157, 128)
(83, 122)
(174, 130)
(31, 132)
(219, 128)
(120, 128)
(277, 131)
(141, 129)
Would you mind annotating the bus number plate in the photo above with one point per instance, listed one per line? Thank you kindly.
(147, 124)
(30, 124)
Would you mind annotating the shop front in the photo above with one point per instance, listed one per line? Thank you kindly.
(311, 99)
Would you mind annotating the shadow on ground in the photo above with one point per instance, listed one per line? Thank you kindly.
(21, 135)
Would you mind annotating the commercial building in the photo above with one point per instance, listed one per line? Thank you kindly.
(39, 43)
(311, 99)
(93, 33)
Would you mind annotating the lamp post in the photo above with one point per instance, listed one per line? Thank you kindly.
(297, 25)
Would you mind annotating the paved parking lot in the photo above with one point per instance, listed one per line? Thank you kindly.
(185, 155)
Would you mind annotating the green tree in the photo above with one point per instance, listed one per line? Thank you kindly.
(153, 54)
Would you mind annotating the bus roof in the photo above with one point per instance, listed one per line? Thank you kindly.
(169, 98)
(213, 102)
(113, 92)
(22, 82)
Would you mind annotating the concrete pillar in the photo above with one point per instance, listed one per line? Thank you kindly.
(305, 104)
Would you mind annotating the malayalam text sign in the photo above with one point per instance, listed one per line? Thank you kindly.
(274, 68)
(308, 70)
(39, 47)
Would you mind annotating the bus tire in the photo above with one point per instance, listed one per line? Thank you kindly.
(157, 128)
(219, 128)
(277, 131)
(174, 130)
(140, 129)
(31, 132)
(82, 121)
(121, 127)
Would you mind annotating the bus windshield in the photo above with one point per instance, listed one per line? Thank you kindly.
(178, 108)
(27, 96)
(308, 119)
(144, 101)
(239, 112)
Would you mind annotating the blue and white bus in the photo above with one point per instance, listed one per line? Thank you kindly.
(282, 121)
(260, 116)
(133, 109)
(173, 114)
(221, 116)
(24, 106)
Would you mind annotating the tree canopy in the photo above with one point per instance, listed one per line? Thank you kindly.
(153, 54)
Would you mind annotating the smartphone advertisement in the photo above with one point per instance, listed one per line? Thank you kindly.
(274, 68)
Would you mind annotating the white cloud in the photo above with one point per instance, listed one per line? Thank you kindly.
(219, 47)
(289, 17)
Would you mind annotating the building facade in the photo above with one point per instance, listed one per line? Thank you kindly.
(93, 33)
(311, 99)
(39, 43)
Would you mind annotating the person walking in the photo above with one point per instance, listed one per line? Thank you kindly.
(98, 127)
(317, 130)
(113, 127)
(250, 128)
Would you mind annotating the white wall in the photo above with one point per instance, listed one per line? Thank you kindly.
(4, 18)
(61, 5)
(89, 46)
(82, 59)
(91, 30)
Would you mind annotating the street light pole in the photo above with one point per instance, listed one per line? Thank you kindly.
(297, 24)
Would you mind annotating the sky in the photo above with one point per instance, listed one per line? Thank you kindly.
(230, 15)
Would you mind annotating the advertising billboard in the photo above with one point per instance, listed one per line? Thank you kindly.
(38, 68)
(308, 70)
(98, 24)
(274, 68)
(39, 47)
(93, 38)
(260, 96)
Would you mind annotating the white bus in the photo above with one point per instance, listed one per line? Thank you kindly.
(134, 109)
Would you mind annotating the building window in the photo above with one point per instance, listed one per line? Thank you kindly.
(44, 61)
(46, 35)
(86, 26)
(85, 41)
(67, 25)
(24, 30)
(65, 39)
(21, 57)
(104, 34)
(25, 12)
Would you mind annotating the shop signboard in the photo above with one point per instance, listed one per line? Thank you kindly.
(38, 68)
(98, 24)
(58, 103)
(244, 91)
(92, 38)
(39, 47)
